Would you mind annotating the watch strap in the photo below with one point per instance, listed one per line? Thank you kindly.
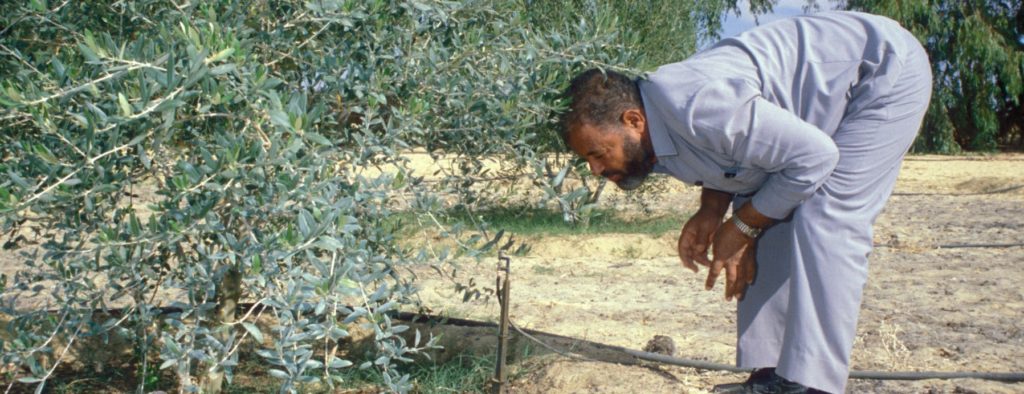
(744, 228)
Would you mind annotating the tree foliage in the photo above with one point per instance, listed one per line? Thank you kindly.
(654, 32)
(710, 14)
(977, 53)
(175, 159)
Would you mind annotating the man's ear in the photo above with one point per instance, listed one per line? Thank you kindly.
(634, 119)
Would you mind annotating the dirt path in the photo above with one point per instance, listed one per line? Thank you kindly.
(926, 307)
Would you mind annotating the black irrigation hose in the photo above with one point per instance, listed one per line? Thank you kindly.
(960, 158)
(1011, 377)
(956, 246)
(960, 246)
(1001, 190)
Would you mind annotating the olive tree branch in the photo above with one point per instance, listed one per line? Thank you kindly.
(85, 85)
(92, 161)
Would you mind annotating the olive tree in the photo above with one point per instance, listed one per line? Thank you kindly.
(167, 162)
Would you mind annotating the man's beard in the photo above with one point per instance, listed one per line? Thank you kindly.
(639, 165)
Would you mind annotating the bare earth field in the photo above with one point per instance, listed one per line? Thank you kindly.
(944, 292)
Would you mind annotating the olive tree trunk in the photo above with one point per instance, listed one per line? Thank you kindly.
(229, 292)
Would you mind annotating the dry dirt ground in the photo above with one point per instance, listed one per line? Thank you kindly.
(926, 307)
(937, 299)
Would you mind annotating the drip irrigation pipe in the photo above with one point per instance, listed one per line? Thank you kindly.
(1003, 190)
(957, 246)
(1011, 377)
(962, 246)
(961, 158)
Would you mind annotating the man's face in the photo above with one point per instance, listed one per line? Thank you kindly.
(617, 152)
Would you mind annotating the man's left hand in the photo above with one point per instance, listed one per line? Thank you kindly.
(733, 251)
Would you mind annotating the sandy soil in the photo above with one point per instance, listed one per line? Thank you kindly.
(928, 306)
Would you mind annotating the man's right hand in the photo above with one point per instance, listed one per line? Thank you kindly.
(696, 238)
(699, 231)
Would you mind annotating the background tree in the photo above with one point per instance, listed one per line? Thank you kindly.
(710, 14)
(977, 53)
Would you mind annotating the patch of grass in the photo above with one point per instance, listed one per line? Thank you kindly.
(463, 374)
(526, 221)
(68, 380)
(543, 270)
(631, 252)
(548, 222)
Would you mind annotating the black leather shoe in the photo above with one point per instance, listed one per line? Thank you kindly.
(760, 381)
(784, 386)
(764, 381)
(790, 387)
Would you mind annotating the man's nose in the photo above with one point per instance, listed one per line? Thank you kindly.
(596, 168)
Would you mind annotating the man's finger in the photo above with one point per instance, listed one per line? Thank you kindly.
(748, 269)
(748, 273)
(701, 255)
(742, 273)
(741, 290)
(685, 254)
(730, 280)
(688, 263)
(691, 254)
(713, 271)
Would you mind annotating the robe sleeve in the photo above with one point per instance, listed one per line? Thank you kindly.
(731, 117)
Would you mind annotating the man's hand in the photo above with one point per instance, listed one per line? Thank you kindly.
(733, 251)
(696, 237)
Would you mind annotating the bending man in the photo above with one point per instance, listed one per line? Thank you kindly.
(801, 125)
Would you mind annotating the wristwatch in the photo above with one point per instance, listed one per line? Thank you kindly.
(745, 228)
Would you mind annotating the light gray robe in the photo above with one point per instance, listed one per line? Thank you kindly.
(810, 118)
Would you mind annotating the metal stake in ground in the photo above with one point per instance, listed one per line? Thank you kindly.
(500, 379)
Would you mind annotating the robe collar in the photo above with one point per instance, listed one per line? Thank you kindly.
(656, 130)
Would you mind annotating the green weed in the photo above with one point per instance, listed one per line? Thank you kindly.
(528, 221)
